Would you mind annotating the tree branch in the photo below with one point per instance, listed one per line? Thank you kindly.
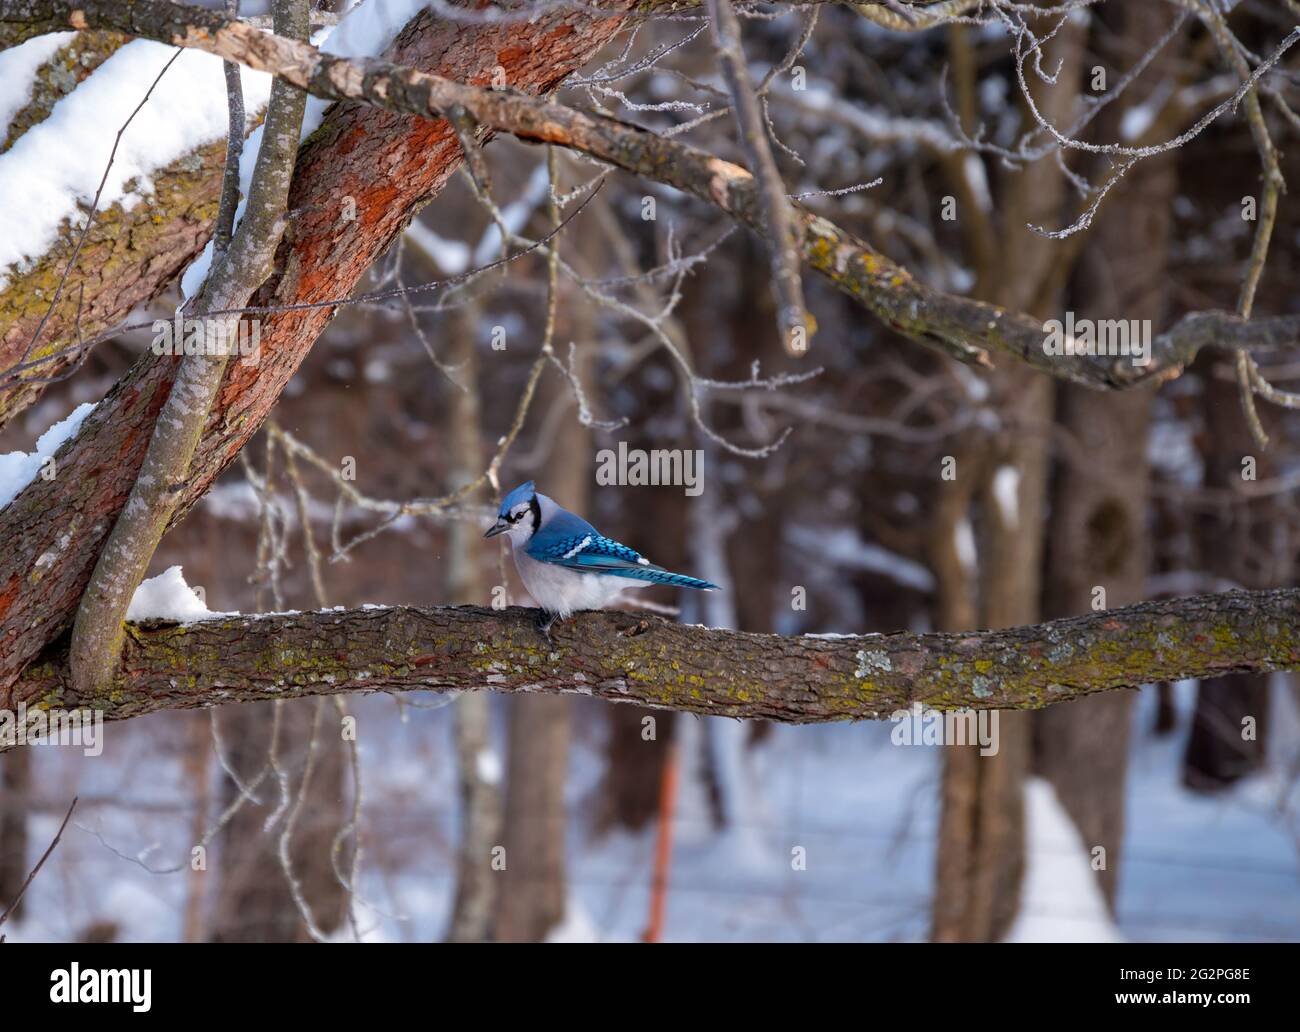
(358, 180)
(959, 326)
(778, 221)
(98, 632)
(644, 659)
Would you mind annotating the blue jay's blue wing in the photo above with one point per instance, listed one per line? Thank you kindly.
(575, 544)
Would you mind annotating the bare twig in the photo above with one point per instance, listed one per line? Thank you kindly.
(778, 222)
(58, 835)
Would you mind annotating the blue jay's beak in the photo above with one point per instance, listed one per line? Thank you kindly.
(500, 527)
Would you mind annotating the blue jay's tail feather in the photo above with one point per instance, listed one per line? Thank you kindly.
(657, 576)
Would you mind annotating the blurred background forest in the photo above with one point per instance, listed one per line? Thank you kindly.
(830, 483)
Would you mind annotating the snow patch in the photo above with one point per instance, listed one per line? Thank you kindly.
(452, 256)
(973, 168)
(1006, 491)
(964, 542)
(577, 925)
(55, 167)
(168, 597)
(1061, 900)
(18, 469)
(843, 547)
(488, 765)
(18, 68)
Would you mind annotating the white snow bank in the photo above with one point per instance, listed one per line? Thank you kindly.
(843, 547)
(53, 170)
(452, 256)
(168, 597)
(576, 926)
(1006, 491)
(18, 469)
(1061, 898)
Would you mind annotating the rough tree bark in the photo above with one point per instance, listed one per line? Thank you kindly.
(476, 766)
(1100, 497)
(641, 658)
(243, 267)
(981, 853)
(387, 166)
(1236, 541)
(533, 895)
(128, 256)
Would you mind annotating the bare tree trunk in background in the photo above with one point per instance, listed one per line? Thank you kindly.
(960, 783)
(757, 543)
(1098, 536)
(981, 851)
(534, 886)
(480, 789)
(15, 780)
(1234, 543)
(631, 787)
(254, 902)
(197, 763)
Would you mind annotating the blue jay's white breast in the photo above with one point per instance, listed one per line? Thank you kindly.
(563, 591)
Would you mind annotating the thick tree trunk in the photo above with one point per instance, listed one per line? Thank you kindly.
(1235, 543)
(632, 782)
(1098, 536)
(1219, 753)
(254, 898)
(379, 166)
(631, 786)
(531, 899)
(981, 851)
(15, 802)
(533, 893)
(477, 766)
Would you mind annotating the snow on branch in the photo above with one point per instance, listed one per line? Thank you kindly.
(965, 329)
(644, 659)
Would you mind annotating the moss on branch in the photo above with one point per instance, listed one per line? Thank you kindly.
(650, 661)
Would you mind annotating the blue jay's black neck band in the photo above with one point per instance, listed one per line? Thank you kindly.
(536, 508)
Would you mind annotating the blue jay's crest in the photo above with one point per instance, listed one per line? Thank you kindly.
(522, 493)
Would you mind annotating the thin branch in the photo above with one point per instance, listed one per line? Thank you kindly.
(962, 328)
(225, 226)
(98, 631)
(58, 835)
(777, 217)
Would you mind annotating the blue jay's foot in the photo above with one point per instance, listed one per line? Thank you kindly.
(545, 621)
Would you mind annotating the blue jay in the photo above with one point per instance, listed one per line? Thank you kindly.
(567, 564)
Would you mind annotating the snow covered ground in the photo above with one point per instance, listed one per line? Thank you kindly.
(862, 810)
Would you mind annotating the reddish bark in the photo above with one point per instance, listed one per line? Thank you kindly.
(389, 165)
